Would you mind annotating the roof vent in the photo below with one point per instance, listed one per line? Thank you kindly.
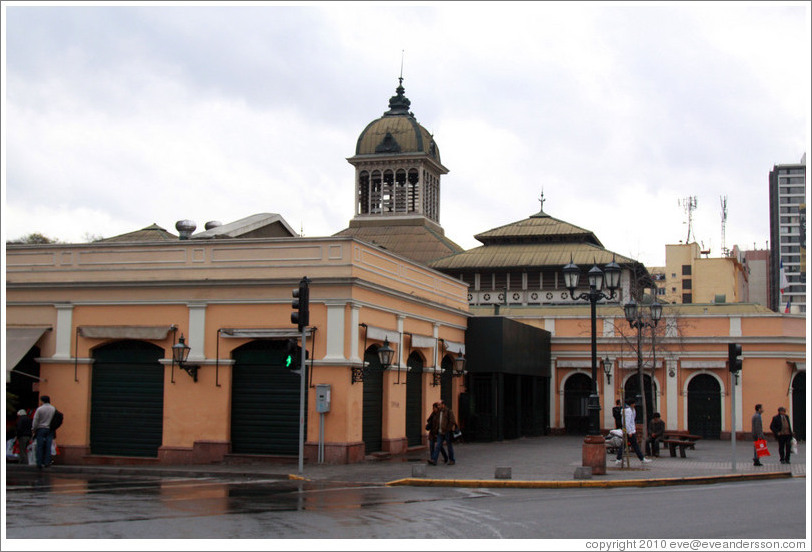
(185, 228)
(213, 224)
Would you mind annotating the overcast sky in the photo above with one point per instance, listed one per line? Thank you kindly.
(117, 117)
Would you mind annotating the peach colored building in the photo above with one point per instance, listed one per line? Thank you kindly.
(94, 324)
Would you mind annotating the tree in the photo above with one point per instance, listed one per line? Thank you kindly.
(35, 238)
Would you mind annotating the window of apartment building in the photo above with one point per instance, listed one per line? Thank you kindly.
(687, 298)
(686, 270)
(673, 290)
(660, 291)
(686, 284)
(790, 249)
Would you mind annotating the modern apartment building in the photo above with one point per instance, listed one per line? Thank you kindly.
(788, 237)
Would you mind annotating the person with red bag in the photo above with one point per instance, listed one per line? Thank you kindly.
(758, 433)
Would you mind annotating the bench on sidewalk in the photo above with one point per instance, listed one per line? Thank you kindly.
(680, 439)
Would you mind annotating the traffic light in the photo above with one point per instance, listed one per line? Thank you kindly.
(734, 352)
(293, 355)
(301, 304)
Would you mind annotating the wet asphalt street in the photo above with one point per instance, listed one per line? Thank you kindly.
(88, 506)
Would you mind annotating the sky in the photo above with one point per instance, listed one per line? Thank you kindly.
(119, 116)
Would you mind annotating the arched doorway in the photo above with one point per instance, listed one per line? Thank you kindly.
(632, 389)
(576, 395)
(127, 399)
(704, 406)
(414, 400)
(799, 406)
(372, 417)
(264, 400)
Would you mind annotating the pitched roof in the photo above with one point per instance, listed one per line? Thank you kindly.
(261, 225)
(525, 255)
(152, 232)
(536, 228)
(413, 238)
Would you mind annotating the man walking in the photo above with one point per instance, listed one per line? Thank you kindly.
(446, 423)
(629, 415)
(758, 432)
(42, 431)
(782, 430)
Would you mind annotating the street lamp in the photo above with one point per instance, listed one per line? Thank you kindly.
(634, 317)
(594, 452)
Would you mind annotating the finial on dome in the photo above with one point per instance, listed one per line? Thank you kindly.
(541, 200)
(399, 104)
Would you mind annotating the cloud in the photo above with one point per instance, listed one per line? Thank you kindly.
(121, 116)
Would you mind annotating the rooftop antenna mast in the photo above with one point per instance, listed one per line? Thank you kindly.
(689, 204)
(723, 200)
(402, 53)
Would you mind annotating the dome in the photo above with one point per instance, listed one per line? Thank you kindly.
(397, 132)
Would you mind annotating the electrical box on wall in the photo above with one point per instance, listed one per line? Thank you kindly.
(323, 397)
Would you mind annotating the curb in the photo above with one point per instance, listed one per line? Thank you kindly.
(697, 480)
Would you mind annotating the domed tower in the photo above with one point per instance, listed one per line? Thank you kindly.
(397, 186)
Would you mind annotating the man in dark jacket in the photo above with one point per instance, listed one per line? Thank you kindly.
(758, 432)
(446, 424)
(782, 430)
(23, 434)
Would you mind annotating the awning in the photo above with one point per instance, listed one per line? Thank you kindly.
(422, 341)
(381, 334)
(261, 333)
(454, 347)
(125, 332)
(19, 341)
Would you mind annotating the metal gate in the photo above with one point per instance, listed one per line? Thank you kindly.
(576, 394)
(799, 406)
(264, 401)
(372, 422)
(704, 407)
(127, 399)
(414, 401)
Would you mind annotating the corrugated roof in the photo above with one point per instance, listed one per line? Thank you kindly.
(415, 242)
(248, 226)
(539, 227)
(152, 232)
(523, 255)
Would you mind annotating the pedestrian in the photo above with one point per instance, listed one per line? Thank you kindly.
(656, 428)
(42, 431)
(23, 429)
(446, 424)
(431, 425)
(782, 430)
(629, 415)
(758, 432)
(617, 414)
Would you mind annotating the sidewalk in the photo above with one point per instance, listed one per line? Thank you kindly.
(533, 462)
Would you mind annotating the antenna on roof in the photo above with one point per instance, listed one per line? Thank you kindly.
(402, 53)
(723, 200)
(689, 204)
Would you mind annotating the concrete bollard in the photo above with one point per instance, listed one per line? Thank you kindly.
(583, 472)
(419, 470)
(503, 473)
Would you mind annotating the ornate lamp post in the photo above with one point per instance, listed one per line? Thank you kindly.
(634, 317)
(594, 453)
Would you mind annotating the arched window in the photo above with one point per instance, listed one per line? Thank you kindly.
(363, 194)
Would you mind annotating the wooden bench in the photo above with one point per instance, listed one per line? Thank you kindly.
(680, 439)
(681, 443)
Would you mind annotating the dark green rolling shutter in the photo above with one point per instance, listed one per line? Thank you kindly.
(264, 401)
(414, 401)
(373, 404)
(127, 399)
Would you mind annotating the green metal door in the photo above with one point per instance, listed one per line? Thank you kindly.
(414, 401)
(264, 401)
(127, 399)
(372, 422)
